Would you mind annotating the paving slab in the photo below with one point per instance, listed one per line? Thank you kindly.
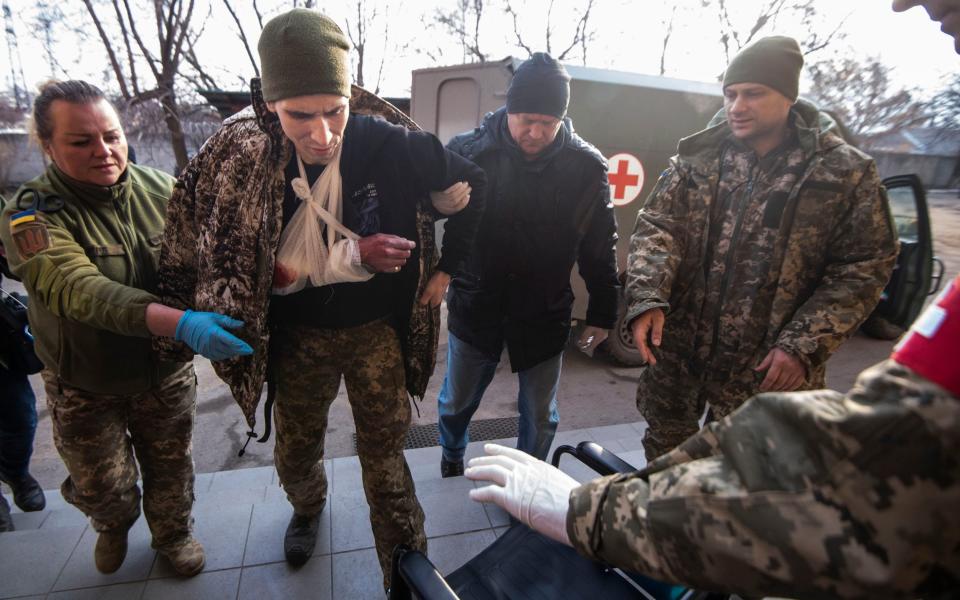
(279, 581)
(222, 529)
(121, 591)
(209, 585)
(267, 526)
(357, 575)
(81, 572)
(32, 560)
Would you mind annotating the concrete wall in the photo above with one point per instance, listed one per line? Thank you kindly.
(21, 159)
(936, 172)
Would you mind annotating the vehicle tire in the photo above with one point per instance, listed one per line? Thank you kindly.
(881, 329)
(620, 344)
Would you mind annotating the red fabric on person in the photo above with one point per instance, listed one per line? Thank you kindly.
(932, 345)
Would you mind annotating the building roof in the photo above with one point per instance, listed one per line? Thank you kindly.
(924, 141)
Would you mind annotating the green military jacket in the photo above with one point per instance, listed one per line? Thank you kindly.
(833, 251)
(88, 258)
(801, 495)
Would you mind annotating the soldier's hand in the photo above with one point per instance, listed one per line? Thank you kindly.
(532, 491)
(451, 200)
(436, 289)
(384, 253)
(206, 333)
(785, 372)
(591, 338)
(649, 324)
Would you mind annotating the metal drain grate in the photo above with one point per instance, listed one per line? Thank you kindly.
(425, 436)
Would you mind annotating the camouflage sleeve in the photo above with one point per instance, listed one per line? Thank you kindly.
(177, 274)
(597, 255)
(656, 246)
(806, 494)
(62, 278)
(862, 253)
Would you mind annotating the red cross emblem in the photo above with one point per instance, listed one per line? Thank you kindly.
(626, 178)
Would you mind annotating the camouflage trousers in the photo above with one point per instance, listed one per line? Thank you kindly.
(672, 399)
(307, 364)
(97, 436)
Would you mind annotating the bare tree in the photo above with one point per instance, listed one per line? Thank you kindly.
(581, 37)
(861, 94)
(360, 21)
(165, 59)
(463, 22)
(20, 94)
(243, 34)
(49, 16)
(737, 34)
(945, 106)
(666, 40)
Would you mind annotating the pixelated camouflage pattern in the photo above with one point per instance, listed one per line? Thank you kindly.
(223, 231)
(97, 435)
(803, 495)
(801, 251)
(308, 372)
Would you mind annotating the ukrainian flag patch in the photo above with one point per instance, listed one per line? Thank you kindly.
(20, 218)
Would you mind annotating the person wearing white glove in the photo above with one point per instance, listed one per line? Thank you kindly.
(534, 492)
(811, 494)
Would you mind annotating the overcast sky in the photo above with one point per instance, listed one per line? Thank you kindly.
(629, 37)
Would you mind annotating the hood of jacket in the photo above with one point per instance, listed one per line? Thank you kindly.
(817, 132)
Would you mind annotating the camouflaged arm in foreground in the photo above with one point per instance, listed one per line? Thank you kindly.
(862, 256)
(656, 247)
(808, 495)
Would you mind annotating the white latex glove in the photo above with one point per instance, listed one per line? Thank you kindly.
(451, 200)
(529, 489)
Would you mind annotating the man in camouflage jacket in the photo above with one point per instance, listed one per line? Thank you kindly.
(762, 248)
(811, 494)
(378, 331)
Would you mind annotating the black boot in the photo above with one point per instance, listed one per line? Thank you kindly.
(27, 493)
(450, 468)
(6, 521)
(300, 538)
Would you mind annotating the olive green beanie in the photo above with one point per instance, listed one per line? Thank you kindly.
(773, 61)
(302, 53)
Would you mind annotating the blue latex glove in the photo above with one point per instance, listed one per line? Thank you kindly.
(205, 333)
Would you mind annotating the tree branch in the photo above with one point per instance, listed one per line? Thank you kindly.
(114, 63)
(516, 29)
(243, 36)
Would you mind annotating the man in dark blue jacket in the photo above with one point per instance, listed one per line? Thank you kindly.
(547, 206)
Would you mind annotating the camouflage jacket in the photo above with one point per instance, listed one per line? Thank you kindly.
(223, 231)
(827, 240)
(804, 495)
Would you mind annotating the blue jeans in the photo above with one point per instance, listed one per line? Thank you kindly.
(18, 423)
(469, 372)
